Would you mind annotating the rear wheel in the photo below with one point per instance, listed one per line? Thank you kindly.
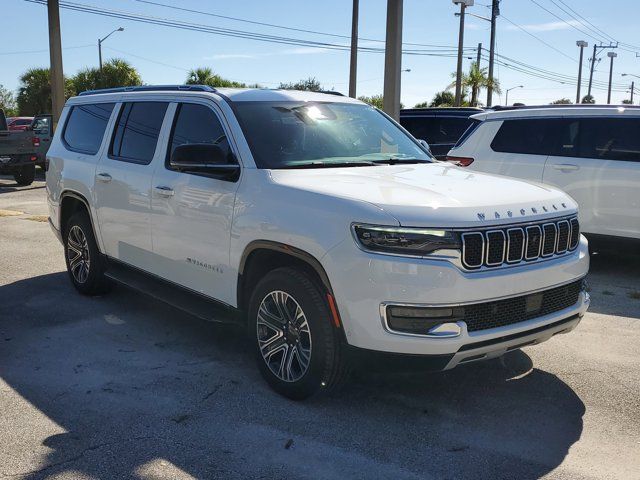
(298, 350)
(24, 175)
(85, 264)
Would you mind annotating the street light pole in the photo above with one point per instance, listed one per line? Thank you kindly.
(506, 100)
(611, 55)
(100, 40)
(463, 6)
(581, 44)
(495, 11)
(353, 67)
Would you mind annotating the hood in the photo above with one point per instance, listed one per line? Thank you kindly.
(435, 194)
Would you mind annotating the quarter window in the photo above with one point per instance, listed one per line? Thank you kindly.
(85, 127)
(198, 124)
(436, 129)
(137, 131)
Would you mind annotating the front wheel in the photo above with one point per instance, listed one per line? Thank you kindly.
(298, 350)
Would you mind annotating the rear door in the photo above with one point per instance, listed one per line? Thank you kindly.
(518, 149)
(597, 162)
(42, 127)
(122, 186)
(192, 212)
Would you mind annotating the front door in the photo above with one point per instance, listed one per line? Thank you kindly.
(123, 183)
(192, 213)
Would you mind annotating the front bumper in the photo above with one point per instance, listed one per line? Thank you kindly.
(362, 282)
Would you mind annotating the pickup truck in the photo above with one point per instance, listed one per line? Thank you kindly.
(20, 152)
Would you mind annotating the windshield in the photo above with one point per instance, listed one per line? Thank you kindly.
(319, 134)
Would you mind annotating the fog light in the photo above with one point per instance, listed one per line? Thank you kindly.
(431, 321)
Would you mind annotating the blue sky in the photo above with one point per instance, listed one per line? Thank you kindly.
(163, 55)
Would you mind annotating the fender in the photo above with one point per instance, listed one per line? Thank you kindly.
(81, 198)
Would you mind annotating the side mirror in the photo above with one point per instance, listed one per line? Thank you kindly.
(425, 145)
(202, 158)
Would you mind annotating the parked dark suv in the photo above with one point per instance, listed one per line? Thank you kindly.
(440, 127)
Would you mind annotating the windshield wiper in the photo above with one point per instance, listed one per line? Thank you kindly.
(396, 161)
(359, 163)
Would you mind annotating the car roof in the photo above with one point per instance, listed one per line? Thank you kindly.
(580, 110)
(441, 111)
(229, 94)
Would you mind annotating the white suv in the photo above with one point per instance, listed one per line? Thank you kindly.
(590, 152)
(315, 219)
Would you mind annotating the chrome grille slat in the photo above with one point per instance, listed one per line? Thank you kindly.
(513, 244)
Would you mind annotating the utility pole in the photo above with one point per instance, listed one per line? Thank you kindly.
(353, 67)
(632, 88)
(594, 59)
(478, 55)
(495, 11)
(581, 44)
(393, 59)
(611, 55)
(55, 57)
(463, 6)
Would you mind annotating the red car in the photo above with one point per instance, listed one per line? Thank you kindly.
(19, 124)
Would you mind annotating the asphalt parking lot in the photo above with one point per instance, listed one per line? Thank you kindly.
(120, 386)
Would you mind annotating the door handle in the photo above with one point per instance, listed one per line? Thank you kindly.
(566, 167)
(164, 191)
(104, 177)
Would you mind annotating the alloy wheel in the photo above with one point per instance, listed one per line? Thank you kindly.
(78, 254)
(284, 337)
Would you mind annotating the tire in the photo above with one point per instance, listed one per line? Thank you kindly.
(24, 175)
(309, 338)
(85, 263)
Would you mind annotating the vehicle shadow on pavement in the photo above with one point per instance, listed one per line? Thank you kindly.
(614, 280)
(135, 389)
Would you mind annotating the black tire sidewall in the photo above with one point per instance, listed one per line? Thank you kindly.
(25, 175)
(323, 342)
(95, 280)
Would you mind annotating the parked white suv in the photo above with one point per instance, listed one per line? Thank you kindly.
(315, 219)
(590, 152)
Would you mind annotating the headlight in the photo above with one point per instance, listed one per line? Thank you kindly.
(405, 241)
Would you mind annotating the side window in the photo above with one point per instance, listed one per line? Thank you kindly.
(532, 137)
(137, 131)
(198, 124)
(568, 138)
(610, 138)
(419, 127)
(85, 127)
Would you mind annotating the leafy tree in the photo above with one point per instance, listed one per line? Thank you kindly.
(310, 84)
(8, 102)
(376, 101)
(562, 101)
(588, 99)
(115, 73)
(443, 99)
(421, 105)
(476, 80)
(205, 76)
(627, 102)
(34, 92)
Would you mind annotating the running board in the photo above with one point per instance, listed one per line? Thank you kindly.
(172, 294)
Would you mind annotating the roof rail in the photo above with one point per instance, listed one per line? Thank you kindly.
(151, 88)
(499, 108)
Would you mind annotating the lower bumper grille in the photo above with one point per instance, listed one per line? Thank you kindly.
(483, 316)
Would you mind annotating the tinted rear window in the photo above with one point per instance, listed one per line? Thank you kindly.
(136, 134)
(436, 129)
(524, 136)
(85, 127)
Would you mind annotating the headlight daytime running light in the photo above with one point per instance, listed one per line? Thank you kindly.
(405, 241)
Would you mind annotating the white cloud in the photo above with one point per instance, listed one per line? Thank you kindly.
(547, 27)
(288, 51)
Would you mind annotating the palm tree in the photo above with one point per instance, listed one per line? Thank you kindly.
(205, 76)
(476, 79)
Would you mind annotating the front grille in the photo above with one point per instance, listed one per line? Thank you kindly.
(482, 316)
(514, 244)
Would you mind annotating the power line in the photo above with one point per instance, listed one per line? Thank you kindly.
(566, 22)
(24, 52)
(539, 39)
